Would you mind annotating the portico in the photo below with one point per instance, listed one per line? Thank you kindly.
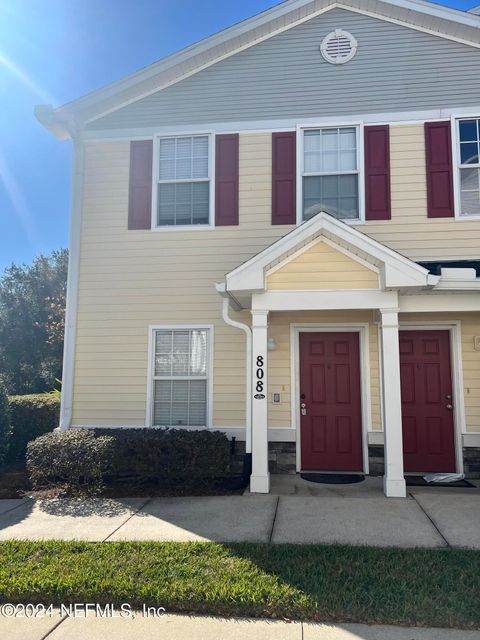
(326, 266)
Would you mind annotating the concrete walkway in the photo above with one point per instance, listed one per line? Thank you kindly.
(296, 511)
(173, 627)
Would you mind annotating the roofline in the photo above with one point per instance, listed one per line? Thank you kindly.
(65, 114)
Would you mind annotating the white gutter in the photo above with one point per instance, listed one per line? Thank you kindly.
(248, 377)
(458, 285)
(72, 286)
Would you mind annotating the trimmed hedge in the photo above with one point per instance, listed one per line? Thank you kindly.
(5, 424)
(83, 458)
(31, 416)
(168, 457)
(74, 458)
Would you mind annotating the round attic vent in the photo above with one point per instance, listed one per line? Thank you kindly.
(338, 47)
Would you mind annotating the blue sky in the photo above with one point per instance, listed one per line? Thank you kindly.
(53, 51)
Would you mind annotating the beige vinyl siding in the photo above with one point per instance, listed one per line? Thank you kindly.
(132, 279)
(410, 231)
(322, 267)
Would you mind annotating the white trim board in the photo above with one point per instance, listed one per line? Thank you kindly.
(275, 434)
(440, 302)
(287, 124)
(471, 439)
(311, 327)
(76, 196)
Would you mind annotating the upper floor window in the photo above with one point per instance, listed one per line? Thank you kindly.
(469, 157)
(183, 189)
(330, 172)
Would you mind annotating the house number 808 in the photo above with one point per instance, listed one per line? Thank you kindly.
(260, 374)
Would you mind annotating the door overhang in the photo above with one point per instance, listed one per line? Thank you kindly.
(396, 273)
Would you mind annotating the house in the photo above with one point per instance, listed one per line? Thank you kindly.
(276, 234)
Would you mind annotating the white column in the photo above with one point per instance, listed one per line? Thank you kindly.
(260, 478)
(393, 480)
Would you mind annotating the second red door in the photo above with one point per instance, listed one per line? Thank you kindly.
(427, 404)
(330, 401)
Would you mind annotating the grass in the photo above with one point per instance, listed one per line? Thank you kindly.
(308, 582)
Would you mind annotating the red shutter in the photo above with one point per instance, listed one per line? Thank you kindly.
(226, 179)
(438, 151)
(377, 172)
(284, 177)
(140, 189)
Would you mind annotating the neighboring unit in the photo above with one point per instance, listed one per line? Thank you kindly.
(276, 234)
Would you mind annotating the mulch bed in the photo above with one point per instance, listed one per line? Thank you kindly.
(15, 484)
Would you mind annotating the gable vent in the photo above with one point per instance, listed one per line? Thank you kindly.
(338, 47)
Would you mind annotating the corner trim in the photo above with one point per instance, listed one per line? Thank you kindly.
(72, 285)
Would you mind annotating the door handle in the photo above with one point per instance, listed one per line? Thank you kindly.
(303, 408)
(449, 406)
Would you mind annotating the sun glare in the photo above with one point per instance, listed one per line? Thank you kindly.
(25, 79)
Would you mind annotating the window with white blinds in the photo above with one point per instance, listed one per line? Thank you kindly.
(183, 190)
(180, 377)
(469, 167)
(331, 173)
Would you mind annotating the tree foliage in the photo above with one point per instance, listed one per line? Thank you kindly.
(32, 312)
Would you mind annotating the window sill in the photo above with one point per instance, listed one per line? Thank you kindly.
(187, 227)
(466, 218)
(179, 426)
(346, 221)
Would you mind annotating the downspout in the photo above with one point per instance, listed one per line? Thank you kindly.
(248, 377)
(72, 286)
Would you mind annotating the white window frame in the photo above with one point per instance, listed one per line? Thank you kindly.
(151, 377)
(211, 179)
(457, 192)
(359, 128)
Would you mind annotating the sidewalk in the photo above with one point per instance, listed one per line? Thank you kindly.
(176, 627)
(294, 512)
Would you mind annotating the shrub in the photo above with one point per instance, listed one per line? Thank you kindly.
(169, 457)
(75, 458)
(5, 424)
(31, 416)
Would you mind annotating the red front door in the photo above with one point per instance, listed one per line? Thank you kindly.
(330, 421)
(427, 406)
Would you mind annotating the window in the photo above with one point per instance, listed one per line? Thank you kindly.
(330, 172)
(183, 190)
(180, 377)
(469, 157)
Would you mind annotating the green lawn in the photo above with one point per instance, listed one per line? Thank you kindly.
(314, 582)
